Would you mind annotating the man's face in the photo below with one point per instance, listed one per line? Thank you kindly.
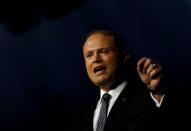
(101, 59)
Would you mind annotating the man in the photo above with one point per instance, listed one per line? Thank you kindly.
(126, 106)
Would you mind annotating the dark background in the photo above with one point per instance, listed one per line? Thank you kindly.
(43, 81)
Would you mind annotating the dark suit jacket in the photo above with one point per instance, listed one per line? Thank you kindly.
(134, 110)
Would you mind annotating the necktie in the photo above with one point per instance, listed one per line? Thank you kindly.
(103, 112)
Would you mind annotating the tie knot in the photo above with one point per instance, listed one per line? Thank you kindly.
(106, 97)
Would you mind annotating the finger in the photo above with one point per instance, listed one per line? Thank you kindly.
(155, 73)
(147, 63)
(140, 64)
(150, 68)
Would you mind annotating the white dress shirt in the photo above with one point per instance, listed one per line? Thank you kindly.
(114, 95)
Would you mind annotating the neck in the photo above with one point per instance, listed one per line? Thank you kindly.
(111, 86)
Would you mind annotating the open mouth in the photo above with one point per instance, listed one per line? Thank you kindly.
(99, 69)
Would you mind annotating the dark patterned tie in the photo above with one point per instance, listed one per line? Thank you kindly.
(103, 112)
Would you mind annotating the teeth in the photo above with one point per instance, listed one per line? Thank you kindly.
(99, 69)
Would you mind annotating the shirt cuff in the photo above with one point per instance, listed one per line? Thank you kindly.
(158, 104)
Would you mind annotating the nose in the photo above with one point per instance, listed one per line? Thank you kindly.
(97, 58)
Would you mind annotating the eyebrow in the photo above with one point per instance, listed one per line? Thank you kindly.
(88, 52)
(91, 50)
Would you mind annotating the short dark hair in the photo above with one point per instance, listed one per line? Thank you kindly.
(118, 40)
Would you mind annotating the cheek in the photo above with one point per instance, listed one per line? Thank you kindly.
(113, 60)
(113, 64)
(88, 68)
(114, 67)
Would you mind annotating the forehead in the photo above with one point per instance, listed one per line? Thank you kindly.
(99, 40)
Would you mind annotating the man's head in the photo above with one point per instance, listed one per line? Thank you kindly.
(104, 53)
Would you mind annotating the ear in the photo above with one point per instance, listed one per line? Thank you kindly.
(125, 57)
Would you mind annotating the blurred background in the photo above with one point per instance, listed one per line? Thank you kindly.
(43, 81)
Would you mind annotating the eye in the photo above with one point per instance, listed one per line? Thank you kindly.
(89, 55)
(104, 51)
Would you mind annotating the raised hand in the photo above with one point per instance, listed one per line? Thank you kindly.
(150, 72)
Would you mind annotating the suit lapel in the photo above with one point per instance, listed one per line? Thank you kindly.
(120, 107)
(124, 98)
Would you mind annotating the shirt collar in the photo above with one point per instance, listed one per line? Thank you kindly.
(115, 92)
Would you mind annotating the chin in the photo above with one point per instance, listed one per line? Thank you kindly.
(100, 83)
